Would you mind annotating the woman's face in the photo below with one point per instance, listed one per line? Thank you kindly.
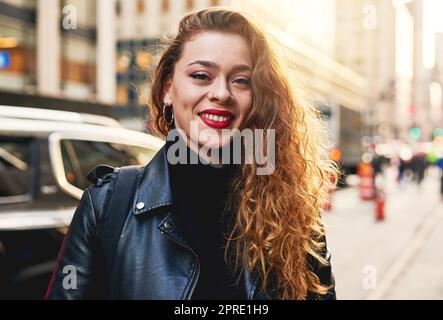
(211, 87)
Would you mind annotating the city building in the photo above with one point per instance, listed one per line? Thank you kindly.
(37, 41)
(404, 69)
(365, 43)
(436, 90)
(48, 55)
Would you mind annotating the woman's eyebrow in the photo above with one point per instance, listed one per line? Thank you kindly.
(213, 65)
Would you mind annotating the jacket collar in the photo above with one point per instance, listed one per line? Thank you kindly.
(154, 188)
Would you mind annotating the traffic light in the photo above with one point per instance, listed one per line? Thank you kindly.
(415, 132)
(438, 132)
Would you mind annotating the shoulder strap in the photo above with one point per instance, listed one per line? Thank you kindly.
(119, 206)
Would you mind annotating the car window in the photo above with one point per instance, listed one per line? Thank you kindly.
(15, 167)
(80, 157)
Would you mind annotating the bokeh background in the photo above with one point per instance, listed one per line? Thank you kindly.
(374, 68)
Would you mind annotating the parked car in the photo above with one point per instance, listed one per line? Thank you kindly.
(45, 156)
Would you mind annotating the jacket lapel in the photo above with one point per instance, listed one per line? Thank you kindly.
(154, 189)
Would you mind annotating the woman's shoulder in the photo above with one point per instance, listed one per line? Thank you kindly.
(102, 178)
(104, 181)
(101, 173)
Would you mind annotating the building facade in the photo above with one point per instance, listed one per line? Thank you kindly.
(365, 42)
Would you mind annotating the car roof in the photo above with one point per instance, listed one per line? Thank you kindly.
(25, 126)
(42, 128)
(14, 112)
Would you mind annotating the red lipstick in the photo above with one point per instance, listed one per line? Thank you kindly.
(216, 118)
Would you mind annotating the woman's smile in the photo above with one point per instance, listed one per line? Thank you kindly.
(218, 119)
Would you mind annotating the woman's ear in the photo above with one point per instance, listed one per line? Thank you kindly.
(167, 93)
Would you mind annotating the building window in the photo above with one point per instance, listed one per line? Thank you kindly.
(140, 6)
(143, 94)
(189, 5)
(165, 6)
(123, 61)
(17, 54)
(122, 95)
(143, 59)
(118, 8)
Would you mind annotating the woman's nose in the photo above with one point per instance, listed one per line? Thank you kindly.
(221, 93)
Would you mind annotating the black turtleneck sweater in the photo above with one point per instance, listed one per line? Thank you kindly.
(200, 195)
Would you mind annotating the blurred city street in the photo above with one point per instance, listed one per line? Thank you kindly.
(399, 257)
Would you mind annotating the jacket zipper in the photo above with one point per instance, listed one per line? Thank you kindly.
(198, 262)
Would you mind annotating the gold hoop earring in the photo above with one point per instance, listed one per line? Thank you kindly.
(165, 116)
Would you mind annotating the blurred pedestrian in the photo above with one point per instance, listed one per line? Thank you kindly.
(439, 164)
(378, 164)
(401, 170)
(418, 166)
(441, 185)
(210, 231)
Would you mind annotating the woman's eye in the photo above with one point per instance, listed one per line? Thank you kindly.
(200, 76)
(243, 81)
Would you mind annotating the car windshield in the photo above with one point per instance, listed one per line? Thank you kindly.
(15, 167)
(80, 157)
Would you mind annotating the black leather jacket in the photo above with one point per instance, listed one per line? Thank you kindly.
(152, 260)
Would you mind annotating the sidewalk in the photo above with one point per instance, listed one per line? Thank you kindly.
(423, 277)
(364, 252)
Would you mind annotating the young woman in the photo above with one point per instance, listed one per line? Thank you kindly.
(214, 228)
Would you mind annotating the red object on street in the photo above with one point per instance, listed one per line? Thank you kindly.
(331, 190)
(380, 206)
(328, 205)
(366, 173)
